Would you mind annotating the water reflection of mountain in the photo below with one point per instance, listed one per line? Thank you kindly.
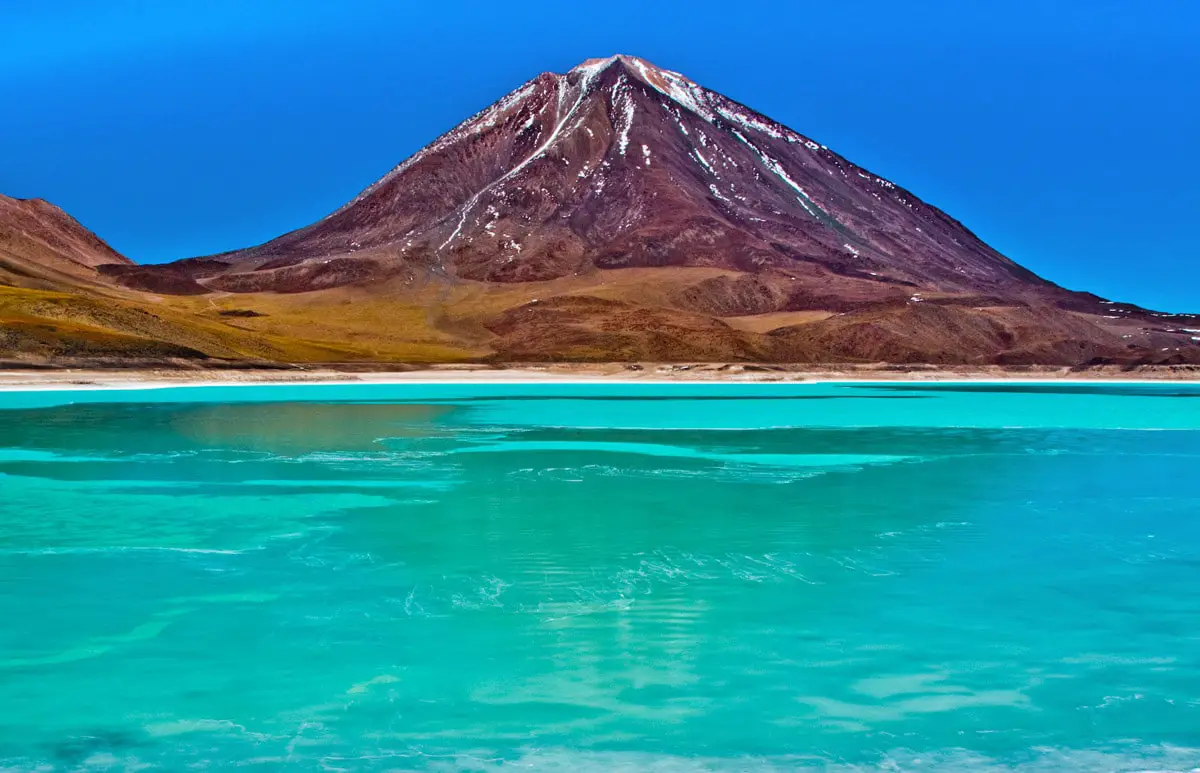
(299, 428)
(276, 428)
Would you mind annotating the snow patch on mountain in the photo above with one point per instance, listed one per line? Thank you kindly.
(622, 100)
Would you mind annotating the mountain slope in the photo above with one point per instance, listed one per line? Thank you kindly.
(621, 211)
(621, 164)
(43, 247)
(56, 304)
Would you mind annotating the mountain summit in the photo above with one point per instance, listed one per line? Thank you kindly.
(622, 211)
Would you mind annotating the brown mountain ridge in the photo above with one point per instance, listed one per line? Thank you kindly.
(616, 212)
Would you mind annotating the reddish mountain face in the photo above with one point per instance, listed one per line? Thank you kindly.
(45, 248)
(621, 164)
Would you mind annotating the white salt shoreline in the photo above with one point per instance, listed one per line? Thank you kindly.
(91, 380)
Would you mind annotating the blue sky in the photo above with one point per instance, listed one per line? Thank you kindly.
(1066, 134)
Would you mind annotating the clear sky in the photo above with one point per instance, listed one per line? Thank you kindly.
(1064, 132)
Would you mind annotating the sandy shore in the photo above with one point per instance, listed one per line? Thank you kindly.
(28, 379)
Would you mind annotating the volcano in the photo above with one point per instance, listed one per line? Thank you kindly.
(621, 164)
(621, 211)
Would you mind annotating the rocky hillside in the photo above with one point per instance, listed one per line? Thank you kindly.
(43, 247)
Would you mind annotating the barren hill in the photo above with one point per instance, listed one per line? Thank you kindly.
(42, 246)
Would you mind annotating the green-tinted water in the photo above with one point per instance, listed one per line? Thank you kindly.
(727, 577)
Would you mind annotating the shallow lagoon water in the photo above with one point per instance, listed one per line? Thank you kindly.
(605, 577)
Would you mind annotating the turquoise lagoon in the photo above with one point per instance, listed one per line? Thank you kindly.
(605, 577)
